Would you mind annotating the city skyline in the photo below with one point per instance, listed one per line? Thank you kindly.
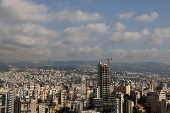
(62, 30)
(83, 91)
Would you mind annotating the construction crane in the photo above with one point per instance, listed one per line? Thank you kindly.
(108, 80)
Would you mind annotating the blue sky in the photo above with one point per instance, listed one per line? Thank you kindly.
(62, 30)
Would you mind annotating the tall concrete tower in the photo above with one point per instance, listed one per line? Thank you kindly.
(103, 82)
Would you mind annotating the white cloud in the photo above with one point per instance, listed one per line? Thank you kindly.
(147, 18)
(27, 35)
(22, 10)
(146, 55)
(4, 28)
(126, 15)
(127, 37)
(76, 16)
(86, 50)
(35, 30)
(83, 30)
(58, 44)
(146, 31)
(3, 51)
(119, 27)
(77, 35)
(82, 53)
(118, 53)
(44, 52)
(97, 28)
(160, 36)
(25, 39)
(29, 11)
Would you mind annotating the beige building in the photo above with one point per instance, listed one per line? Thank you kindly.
(165, 106)
(33, 105)
(135, 95)
(41, 108)
(34, 90)
(63, 97)
(156, 99)
(43, 94)
(129, 106)
(27, 105)
(8, 100)
(89, 93)
(152, 86)
(83, 88)
(123, 88)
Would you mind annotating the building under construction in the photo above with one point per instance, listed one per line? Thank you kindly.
(104, 82)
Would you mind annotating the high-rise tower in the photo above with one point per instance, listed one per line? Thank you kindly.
(103, 82)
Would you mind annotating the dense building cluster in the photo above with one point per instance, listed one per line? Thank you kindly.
(90, 91)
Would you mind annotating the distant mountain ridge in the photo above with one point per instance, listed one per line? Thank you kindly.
(153, 67)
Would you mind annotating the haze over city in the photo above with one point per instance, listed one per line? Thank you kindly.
(62, 30)
(84, 56)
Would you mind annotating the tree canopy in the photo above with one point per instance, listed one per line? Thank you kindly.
(66, 110)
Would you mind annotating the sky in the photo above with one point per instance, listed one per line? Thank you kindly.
(85, 30)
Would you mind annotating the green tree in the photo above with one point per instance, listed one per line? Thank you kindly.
(127, 97)
(66, 110)
(116, 96)
(135, 110)
(142, 100)
(52, 104)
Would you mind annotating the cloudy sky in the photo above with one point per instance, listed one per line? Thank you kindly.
(61, 30)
